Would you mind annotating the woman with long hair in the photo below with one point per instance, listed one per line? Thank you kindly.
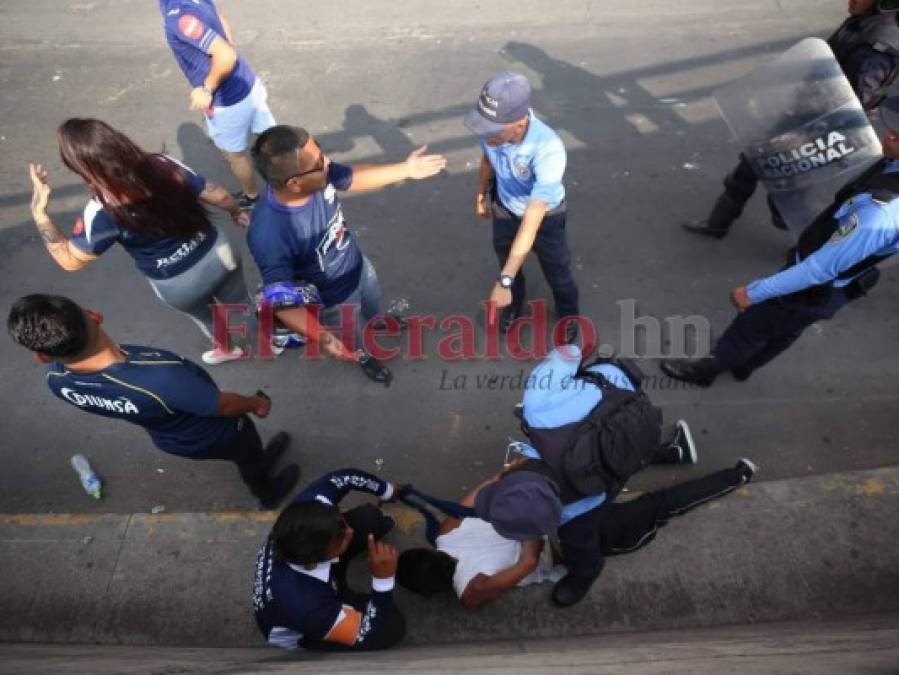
(153, 206)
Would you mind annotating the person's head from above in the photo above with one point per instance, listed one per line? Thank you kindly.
(862, 7)
(55, 328)
(889, 116)
(145, 193)
(291, 161)
(502, 111)
(426, 571)
(309, 533)
(520, 505)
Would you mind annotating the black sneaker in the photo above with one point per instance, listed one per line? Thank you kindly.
(686, 370)
(375, 370)
(279, 487)
(571, 589)
(683, 441)
(702, 227)
(245, 201)
(741, 373)
(276, 447)
(747, 469)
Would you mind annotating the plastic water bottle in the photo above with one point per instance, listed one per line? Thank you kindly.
(90, 481)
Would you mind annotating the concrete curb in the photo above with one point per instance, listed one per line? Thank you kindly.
(807, 548)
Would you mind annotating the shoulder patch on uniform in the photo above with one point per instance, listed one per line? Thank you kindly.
(847, 227)
(191, 26)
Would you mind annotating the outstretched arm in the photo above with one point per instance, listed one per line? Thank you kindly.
(416, 166)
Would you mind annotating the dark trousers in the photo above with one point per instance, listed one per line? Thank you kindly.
(246, 450)
(761, 332)
(624, 527)
(740, 185)
(388, 630)
(551, 247)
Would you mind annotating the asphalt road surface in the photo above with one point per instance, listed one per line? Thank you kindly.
(629, 89)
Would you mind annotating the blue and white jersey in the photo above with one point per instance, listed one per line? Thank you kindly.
(158, 257)
(190, 28)
(296, 605)
(308, 243)
(865, 227)
(531, 169)
(171, 397)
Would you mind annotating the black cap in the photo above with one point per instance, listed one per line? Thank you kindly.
(521, 506)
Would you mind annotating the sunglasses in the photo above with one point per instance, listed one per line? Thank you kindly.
(319, 165)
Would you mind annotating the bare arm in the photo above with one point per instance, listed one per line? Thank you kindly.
(235, 405)
(63, 251)
(302, 321)
(224, 58)
(216, 195)
(416, 166)
(524, 238)
(483, 589)
(485, 174)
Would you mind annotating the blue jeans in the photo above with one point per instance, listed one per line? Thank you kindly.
(551, 247)
(365, 300)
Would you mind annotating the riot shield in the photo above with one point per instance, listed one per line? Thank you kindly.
(802, 128)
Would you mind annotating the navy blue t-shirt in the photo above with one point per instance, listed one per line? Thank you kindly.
(190, 28)
(309, 243)
(158, 257)
(172, 398)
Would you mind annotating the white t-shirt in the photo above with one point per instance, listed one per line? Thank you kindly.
(480, 550)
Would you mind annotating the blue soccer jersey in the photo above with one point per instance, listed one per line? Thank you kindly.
(157, 256)
(308, 243)
(172, 398)
(190, 28)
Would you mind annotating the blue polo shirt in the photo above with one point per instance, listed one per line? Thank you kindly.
(531, 169)
(156, 256)
(190, 28)
(172, 398)
(308, 243)
(865, 227)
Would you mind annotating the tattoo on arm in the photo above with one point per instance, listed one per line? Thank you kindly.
(50, 233)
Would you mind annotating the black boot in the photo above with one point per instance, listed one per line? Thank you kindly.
(571, 590)
(687, 370)
(279, 487)
(275, 448)
(724, 213)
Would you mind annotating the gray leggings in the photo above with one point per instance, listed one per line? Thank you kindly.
(216, 278)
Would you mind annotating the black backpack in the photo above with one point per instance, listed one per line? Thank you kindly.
(602, 451)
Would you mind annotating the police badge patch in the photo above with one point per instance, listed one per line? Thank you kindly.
(521, 169)
(846, 227)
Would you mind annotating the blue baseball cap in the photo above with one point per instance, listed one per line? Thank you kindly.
(522, 505)
(505, 98)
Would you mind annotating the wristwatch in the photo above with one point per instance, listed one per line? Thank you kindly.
(506, 281)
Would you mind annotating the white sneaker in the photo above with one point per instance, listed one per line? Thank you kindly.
(214, 357)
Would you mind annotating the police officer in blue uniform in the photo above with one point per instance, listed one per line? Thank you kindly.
(174, 399)
(834, 263)
(866, 46)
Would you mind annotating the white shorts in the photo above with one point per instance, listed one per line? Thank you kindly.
(230, 125)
